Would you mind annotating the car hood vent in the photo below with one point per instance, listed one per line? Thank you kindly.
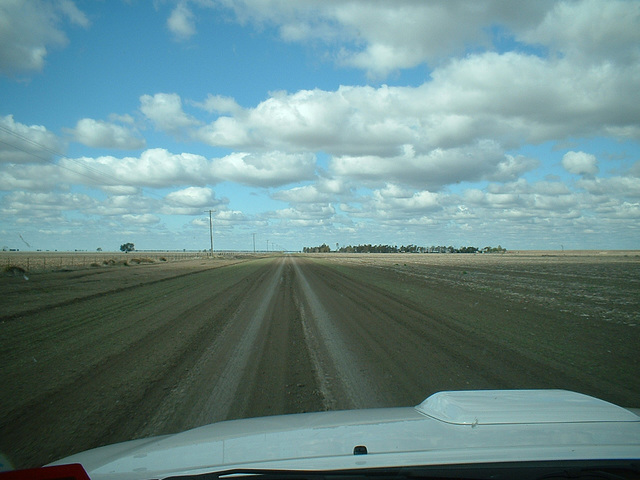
(491, 407)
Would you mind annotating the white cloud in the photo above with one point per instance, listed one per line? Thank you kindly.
(591, 30)
(510, 98)
(101, 134)
(21, 143)
(119, 205)
(265, 170)
(624, 187)
(199, 197)
(141, 219)
(305, 194)
(155, 167)
(386, 155)
(348, 121)
(398, 201)
(518, 98)
(73, 14)
(305, 215)
(323, 191)
(219, 104)
(225, 132)
(433, 170)
(181, 22)
(28, 29)
(381, 37)
(511, 168)
(229, 218)
(403, 35)
(580, 163)
(31, 177)
(159, 168)
(34, 204)
(119, 190)
(165, 111)
(126, 118)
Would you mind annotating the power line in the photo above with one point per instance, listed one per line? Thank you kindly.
(210, 229)
(56, 153)
(97, 177)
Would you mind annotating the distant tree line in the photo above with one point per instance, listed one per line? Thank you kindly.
(324, 248)
(368, 248)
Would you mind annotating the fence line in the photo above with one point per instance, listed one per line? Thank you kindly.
(43, 261)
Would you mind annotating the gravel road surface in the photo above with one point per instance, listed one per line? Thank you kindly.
(100, 356)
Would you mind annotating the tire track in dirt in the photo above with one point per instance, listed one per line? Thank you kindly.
(283, 379)
(83, 297)
(268, 336)
(414, 351)
(208, 391)
(341, 372)
(112, 400)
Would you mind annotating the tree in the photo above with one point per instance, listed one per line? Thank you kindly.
(127, 247)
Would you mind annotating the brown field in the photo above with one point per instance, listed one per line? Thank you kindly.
(51, 261)
(97, 355)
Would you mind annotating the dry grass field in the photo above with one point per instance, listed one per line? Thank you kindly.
(93, 355)
(49, 261)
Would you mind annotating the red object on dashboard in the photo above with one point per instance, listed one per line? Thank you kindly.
(73, 471)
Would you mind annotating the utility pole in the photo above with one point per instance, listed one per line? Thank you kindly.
(254, 242)
(210, 229)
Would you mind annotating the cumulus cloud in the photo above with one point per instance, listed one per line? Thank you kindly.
(32, 177)
(226, 217)
(323, 191)
(181, 22)
(20, 143)
(28, 29)
(140, 219)
(433, 170)
(381, 37)
(41, 204)
(219, 104)
(551, 203)
(119, 205)
(199, 197)
(394, 154)
(165, 111)
(155, 167)
(511, 168)
(590, 30)
(159, 168)
(120, 190)
(101, 134)
(265, 170)
(580, 163)
(625, 187)
(396, 200)
(305, 215)
(511, 98)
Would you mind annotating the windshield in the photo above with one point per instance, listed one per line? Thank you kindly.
(215, 210)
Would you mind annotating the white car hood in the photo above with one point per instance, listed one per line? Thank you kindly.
(447, 428)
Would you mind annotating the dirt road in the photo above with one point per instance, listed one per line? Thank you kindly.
(97, 357)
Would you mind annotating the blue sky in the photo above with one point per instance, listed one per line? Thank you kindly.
(309, 122)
